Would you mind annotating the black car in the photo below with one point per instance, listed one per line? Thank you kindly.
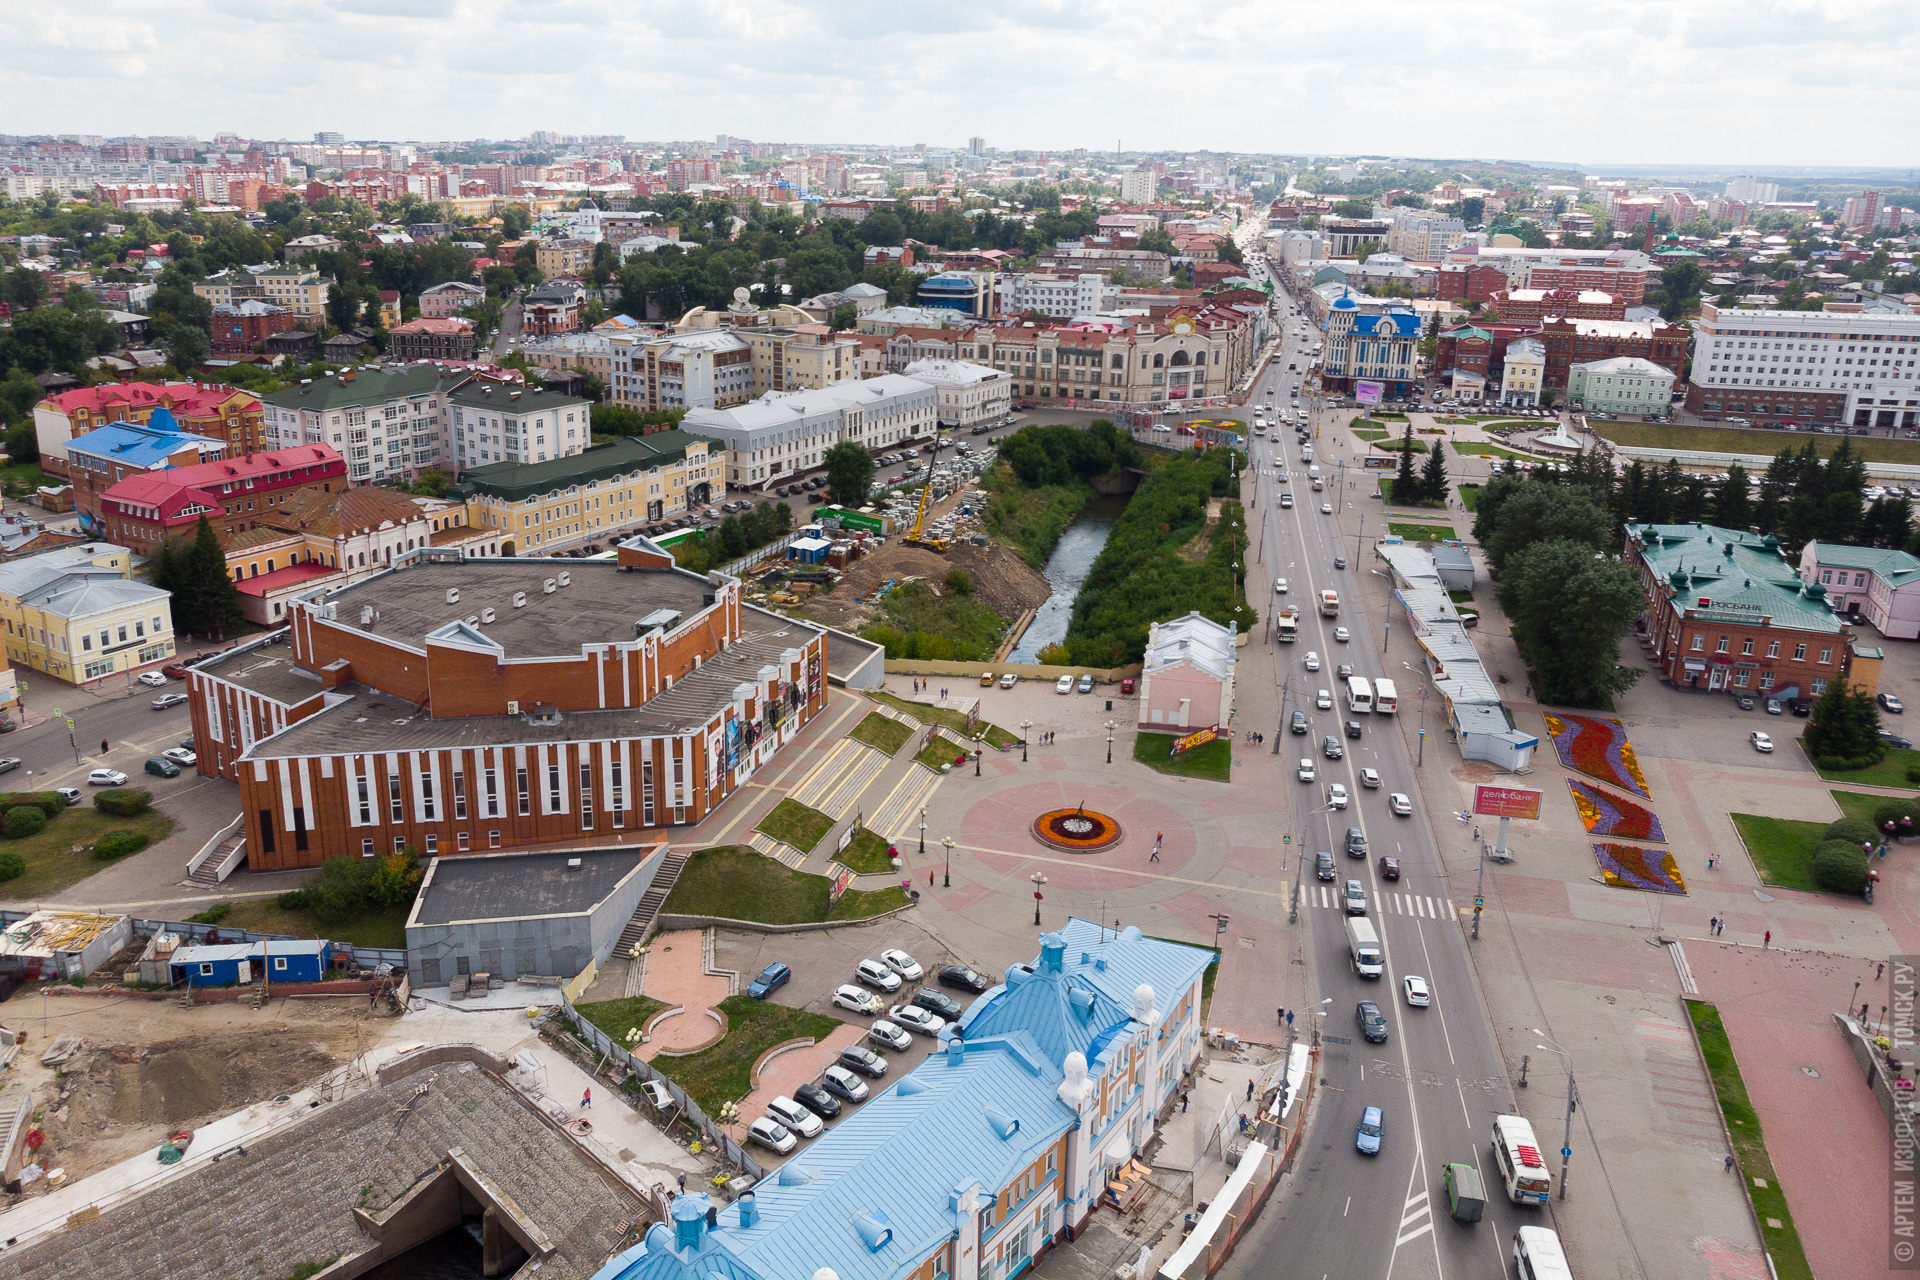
(1373, 1024)
(817, 1100)
(1331, 748)
(1339, 562)
(1389, 868)
(1802, 707)
(1353, 728)
(944, 1006)
(859, 1058)
(1886, 735)
(1323, 865)
(963, 978)
(1299, 724)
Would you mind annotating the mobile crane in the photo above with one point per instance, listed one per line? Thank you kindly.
(914, 536)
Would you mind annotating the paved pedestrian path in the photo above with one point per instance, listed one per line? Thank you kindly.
(779, 850)
(676, 974)
(828, 773)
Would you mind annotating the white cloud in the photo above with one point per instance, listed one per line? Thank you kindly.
(1729, 81)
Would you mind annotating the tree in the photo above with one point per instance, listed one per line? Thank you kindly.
(1569, 606)
(18, 394)
(432, 482)
(1406, 485)
(1515, 512)
(1682, 282)
(849, 473)
(844, 316)
(187, 345)
(1845, 726)
(1155, 240)
(206, 603)
(1472, 210)
(25, 288)
(1433, 476)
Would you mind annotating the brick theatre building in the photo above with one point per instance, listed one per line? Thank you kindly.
(455, 705)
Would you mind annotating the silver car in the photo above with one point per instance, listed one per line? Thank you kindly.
(890, 1036)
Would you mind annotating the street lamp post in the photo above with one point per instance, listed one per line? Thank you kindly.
(1422, 759)
(1111, 726)
(923, 831)
(1299, 864)
(946, 879)
(1025, 725)
(1573, 1104)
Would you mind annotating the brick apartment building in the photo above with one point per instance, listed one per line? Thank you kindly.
(1580, 341)
(1573, 304)
(1620, 273)
(237, 328)
(204, 409)
(144, 508)
(431, 339)
(458, 706)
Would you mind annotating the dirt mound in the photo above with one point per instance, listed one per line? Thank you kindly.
(1001, 580)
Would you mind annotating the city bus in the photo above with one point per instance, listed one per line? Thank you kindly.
(1386, 698)
(1359, 694)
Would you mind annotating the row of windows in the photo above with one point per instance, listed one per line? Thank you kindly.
(1746, 648)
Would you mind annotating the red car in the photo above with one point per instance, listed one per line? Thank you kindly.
(1126, 687)
(174, 671)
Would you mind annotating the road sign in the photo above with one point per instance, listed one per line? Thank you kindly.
(1286, 839)
(1478, 902)
(1506, 802)
(1566, 1153)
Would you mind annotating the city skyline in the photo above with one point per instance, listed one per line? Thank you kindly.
(1631, 84)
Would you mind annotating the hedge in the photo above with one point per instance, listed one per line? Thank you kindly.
(118, 844)
(12, 866)
(48, 802)
(122, 802)
(1840, 867)
(1853, 830)
(1913, 773)
(1848, 764)
(1894, 810)
(21, 821)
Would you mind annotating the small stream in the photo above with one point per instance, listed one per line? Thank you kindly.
(1066, 569)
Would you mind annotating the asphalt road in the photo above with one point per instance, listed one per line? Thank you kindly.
(1439, 1077)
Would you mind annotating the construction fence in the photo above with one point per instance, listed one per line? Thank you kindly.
(365, 957)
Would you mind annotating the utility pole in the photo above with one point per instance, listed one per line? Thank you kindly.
(1566, 1139)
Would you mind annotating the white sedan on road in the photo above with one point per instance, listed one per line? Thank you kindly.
(1761, 742)
(1401, 806)
(1326, 508)
(1336, 795)
(1313, 660)
(1417, 994)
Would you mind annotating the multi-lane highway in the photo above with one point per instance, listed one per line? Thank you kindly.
(1439, 1077)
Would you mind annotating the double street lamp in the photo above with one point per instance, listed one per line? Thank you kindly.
(946, 880)
(1111, 726)
(1025, 725)
(1573, 1104)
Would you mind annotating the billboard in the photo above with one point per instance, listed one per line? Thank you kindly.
(1367, 392)
(837, 887)
(1506, 802)
(1192, 740)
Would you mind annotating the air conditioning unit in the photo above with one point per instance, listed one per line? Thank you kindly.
(366, 615)
(548, 587)
(453, 595)
(519, 599)
(513, 707)
(565, 577)
(487, 614)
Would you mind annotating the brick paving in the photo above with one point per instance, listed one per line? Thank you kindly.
(674, 975)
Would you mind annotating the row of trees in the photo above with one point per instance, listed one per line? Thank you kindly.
(1429, 485)
(735, 536)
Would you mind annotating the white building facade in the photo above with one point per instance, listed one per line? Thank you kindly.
(778, 435)
(1859, 368)
(498, 423)
(1056, 296)
(970, 394)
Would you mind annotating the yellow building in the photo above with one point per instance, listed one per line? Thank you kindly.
(303, 290)
(563, 257)
(77, 615)
(609, 491)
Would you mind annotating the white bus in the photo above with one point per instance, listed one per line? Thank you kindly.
(1537, 1255)
(1516, 1154)
(1386, 698)
(1359, 694)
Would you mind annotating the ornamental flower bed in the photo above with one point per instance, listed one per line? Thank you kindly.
(1627, 866)
(1605, 815)
(1597, 746)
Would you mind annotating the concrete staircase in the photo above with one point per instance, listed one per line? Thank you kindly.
(663, 881)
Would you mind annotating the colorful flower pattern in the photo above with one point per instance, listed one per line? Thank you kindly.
(1076, 830)
(1604, 815)
(1627, 866)
(1597, 746)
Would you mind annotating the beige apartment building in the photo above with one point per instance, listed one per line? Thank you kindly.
(606, 491)
(302, 290)
(563, 257)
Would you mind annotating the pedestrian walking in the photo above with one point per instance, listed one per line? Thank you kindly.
(1290, 1014)
(1155, 856)
(1709, 862)
(103, 746)
(586, 1100)
(1863, 1012)
(1729, 1163)
(1713, 924)
(1249, 1091)
(1767, 941)
(1881, 972)
(683, 1184)
(1183, 1100)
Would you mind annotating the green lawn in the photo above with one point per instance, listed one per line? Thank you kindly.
(1211, 760)
(1424, 532)
(738, 883)
(865, 853)
(1378, 433)
(941, 751)
(617, 1017)
(376, 927)
(1470, 496)
(949, 718)
(796, 824)
(1474, 449)
(723, 1073)
(1859, 804)
(1781, 849)
(51, 864)
(878, 731)
(22, 478)
(1782, 1243)
(1890, 772)
(1460, 597)
(1655, 435)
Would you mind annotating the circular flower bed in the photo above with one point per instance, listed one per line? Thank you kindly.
(1076, 830)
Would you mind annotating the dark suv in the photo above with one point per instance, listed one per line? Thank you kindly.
(1299, 722)
(938, 1003)
(1356, 843)
(1323, 865)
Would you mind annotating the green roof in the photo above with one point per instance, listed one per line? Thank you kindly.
(368, 386)
(517, 481)
(1894, 566)
(1739, 575)
(476, 394)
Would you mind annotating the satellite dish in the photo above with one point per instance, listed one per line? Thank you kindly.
(741, 295)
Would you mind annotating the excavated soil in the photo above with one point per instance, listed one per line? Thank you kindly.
(1001, 580)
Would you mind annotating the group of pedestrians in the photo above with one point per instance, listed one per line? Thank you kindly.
(922, 686)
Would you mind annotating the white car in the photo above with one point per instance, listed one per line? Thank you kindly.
(1009, 680)
(1286, 500)
(1401, 806)
(914, 1018)
(772, 1135)
(167, 700)
(1063, 685)
(153, 679)
(1761, 742)
(1417, 994)
(1323, 700)
(889, 1036)
(1326, 508)
(1341, 635)
(1280, 586)
(1369, 777)
(1313, 660)
(1306, 769)
(875, 973)
(794, 1117)
(902, 963)
(106, 778)
(1336, 795)
(857, 999)
(180, 755)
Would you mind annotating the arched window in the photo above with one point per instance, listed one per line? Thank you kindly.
(1180, 358)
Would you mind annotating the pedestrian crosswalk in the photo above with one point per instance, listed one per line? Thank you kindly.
(1416, 1220)
(1392, 902)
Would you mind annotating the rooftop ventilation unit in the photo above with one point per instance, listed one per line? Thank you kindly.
(548, 587)
(564, 578)
(453, 595)
(487, 614)
(519, 599)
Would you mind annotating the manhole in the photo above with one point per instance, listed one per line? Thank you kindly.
(1810, 1073)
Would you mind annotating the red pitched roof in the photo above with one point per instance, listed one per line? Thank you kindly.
(184, 399)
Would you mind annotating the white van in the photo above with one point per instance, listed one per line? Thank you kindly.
(1516, 1154)
(1537, 1255)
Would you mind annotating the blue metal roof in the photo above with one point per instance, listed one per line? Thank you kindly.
(1119, 962)
(1404, 323)
(144, 445)
(1060, 1014)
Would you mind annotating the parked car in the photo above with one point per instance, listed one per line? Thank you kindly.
(843, 1084)
(1801, 707)
(795, 1118)
(175, 670)
(938, 1002)
(179, 755)
(106, 778)
(1401, 806)
(1894, 739)
(161, 768)
(1389, 867)
(1417, 993)
(1336, 795)
(772, 1135)
(914, 1018)
(1372, 1129)
(858, 1057)
(166, 700)
(1009, 680)
(876, 973)
(963, 978)
(1373, 1024)
(9, 763)
(153, 679)
(889, 1034)
(1063, 685)
(986, 679)
(1086, 684)
(902, 963)
(72, 795)
(1744, 702)
(773, 976)
(1126, 686)
(1890, 703)
(1369, 777)
(1323, 865)
(856, 999)
(1762, 743)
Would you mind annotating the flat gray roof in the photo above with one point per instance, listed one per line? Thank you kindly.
(267, 668)
(523, 885)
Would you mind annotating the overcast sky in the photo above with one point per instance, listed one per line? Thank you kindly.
(1743, 82)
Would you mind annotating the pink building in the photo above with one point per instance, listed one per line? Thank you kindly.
(1187, 679)
(449, 299)
(1880, 586)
